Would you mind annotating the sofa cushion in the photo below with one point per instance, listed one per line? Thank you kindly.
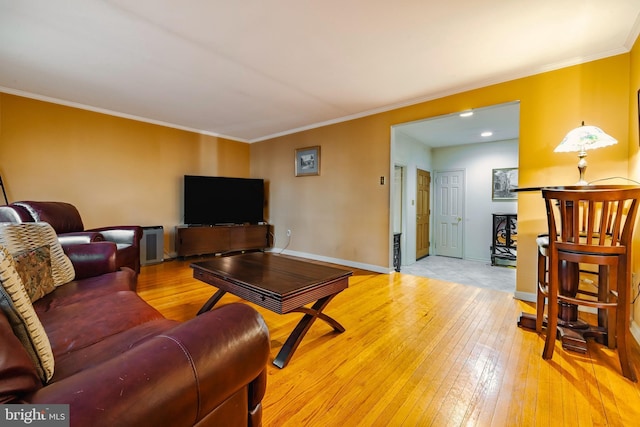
(31, 235)
(16, 304)
(90, 288)
(75, 326)
(71, 363)
(34, 269)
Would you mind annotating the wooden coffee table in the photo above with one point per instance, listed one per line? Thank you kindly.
(278, 283)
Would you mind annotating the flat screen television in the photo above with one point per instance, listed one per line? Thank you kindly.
(213, 200)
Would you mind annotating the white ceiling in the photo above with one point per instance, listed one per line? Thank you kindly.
(254, 69)
(503, 121)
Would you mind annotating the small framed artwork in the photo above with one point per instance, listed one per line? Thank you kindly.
(308, 161)
(504, 182)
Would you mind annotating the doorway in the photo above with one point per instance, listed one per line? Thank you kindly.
(448, 143)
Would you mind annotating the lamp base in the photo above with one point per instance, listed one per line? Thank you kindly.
(582, 167)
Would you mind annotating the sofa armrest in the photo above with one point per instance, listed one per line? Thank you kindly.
(78, 237)
(92, 259)
(18, 375)
(175, 378)
(126, 234)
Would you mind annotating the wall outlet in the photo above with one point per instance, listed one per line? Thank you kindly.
(288, 233)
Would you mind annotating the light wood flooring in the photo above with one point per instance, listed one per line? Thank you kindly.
(420, 352)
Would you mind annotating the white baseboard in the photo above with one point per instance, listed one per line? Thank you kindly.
(347, 263)
(525, 296)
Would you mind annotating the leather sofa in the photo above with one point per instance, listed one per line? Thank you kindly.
(67, 222)
(117, 360)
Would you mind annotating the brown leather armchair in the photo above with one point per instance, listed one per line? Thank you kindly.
(66, 221)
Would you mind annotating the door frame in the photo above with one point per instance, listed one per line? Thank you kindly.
(402, 215)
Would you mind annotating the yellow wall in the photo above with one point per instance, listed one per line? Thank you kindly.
(344, 212)
(114, 170)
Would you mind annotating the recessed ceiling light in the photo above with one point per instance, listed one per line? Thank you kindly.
(466, 114)
(486, 134)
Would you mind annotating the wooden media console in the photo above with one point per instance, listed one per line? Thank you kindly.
(203, 240)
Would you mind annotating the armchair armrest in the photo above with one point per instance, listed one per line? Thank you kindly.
(126, 234)
(175, 378)
(17, 214)
(78, 237)
(92, 259)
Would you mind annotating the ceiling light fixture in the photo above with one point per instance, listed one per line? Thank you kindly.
(486, 134)
(468, 113)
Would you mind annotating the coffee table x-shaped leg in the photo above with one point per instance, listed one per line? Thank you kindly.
(310, 315)
(295, 338)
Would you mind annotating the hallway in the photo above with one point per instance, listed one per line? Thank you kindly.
(473, 273)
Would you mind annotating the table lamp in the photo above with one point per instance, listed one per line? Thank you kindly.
(581, 139)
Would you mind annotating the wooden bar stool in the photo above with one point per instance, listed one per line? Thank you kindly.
(590, 232)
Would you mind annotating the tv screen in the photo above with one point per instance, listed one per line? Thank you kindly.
(211, 200)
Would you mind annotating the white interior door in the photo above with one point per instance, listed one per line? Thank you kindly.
(449, 218)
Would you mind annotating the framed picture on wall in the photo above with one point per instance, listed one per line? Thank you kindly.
(504, 182)
(308, 161)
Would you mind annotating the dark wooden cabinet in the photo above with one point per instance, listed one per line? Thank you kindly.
(220, 239)
(397, 255)
(505, 237)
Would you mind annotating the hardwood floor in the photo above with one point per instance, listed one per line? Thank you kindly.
(420, 352)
